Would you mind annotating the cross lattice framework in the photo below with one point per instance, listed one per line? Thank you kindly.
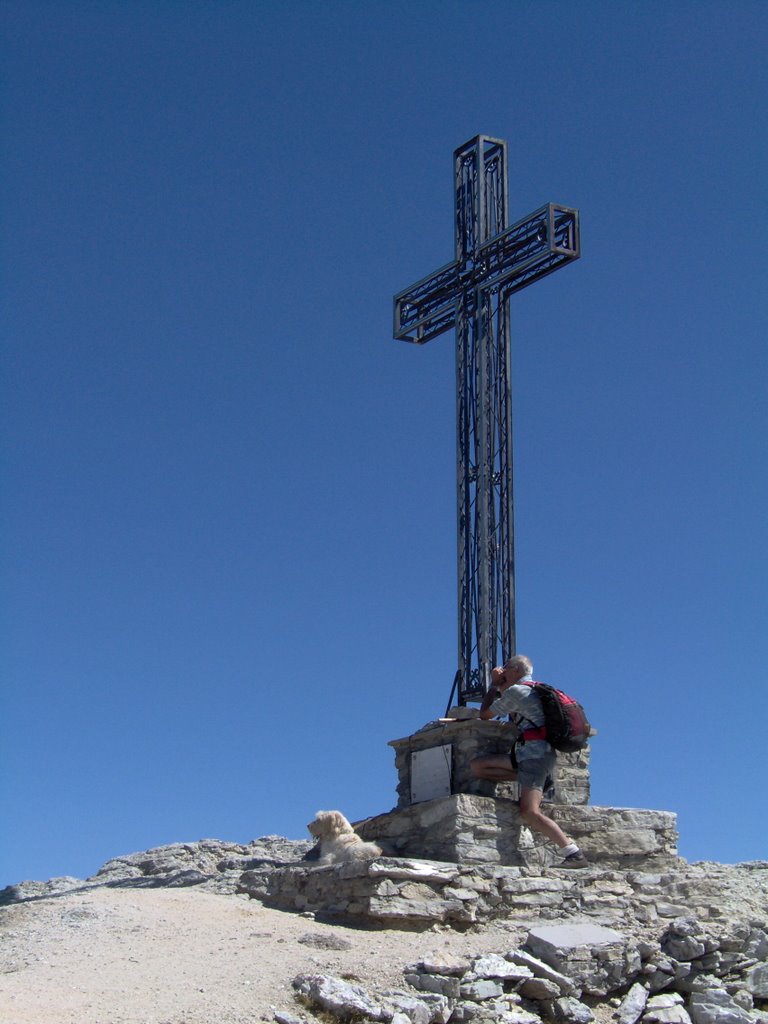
(471, 294)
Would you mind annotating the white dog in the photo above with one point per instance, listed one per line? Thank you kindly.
(338, 840)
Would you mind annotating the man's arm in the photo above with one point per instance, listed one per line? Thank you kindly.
(485, 708)
(498, 685)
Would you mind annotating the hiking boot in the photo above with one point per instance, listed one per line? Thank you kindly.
(573, 860)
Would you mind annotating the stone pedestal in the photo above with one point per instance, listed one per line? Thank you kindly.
(463, 860)
(471, 821)
(468, 829)
(460, 742)
(464, 856)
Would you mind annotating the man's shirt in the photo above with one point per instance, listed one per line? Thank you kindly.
(523, 701)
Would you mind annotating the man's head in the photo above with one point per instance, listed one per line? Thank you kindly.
(517, 667)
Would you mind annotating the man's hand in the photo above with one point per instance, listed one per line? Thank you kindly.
(499, 679)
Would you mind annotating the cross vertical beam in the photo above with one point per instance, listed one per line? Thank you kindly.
(471, 294)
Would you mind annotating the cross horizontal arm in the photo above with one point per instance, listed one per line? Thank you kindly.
(529, 250)
(535, 246)
(428, 308)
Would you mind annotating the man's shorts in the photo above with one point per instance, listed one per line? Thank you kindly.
(532, 772)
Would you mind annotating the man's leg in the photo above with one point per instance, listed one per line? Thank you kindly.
(530, 804)
(498, 768)
(494, 768)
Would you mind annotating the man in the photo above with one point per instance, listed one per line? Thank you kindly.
(533, 756)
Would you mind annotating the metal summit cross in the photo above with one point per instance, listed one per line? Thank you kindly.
(471, 294)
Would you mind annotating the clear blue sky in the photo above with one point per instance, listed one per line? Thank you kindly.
(228, 500)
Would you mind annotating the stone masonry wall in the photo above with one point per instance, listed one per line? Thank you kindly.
(475, 829)
(404, 893)
(473, 738)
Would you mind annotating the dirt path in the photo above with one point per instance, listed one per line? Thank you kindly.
(160, 956)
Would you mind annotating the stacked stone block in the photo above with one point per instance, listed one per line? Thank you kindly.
(417, 894)
(474, 738)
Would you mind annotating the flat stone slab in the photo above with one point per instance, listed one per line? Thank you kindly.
(569, 936)
(595, 957)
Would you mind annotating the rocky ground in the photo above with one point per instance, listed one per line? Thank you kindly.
(163, 937)
(180, 956)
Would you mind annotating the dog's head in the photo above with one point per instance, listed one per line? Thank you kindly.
(328, 825)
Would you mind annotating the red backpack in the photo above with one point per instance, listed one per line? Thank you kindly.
(566, 726)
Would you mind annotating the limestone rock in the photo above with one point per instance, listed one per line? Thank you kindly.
(715, 1006)
(741, 997)
(683, 939)
(698, 983)
(756, 980)
(664, 909)
(664, 1002)
(283, 1017)
(664, 972)
(413, 1009)
(632, 1005)
(539, 989)
(23, 891)
(441, 984)
(571, 1010)
(492, 1012)
(757, 944)
(666, 1009)
(517, 1015)
(491, 965)
(597, 959)
(436, 964)
(556, 939)
(667, 1015)
(338, 997)
(214, 864)
(542, 970)
(480, 990)
(440, 1007)
(414, 870)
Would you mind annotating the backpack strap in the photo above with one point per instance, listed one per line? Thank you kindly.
(537, 732)
(534, 734)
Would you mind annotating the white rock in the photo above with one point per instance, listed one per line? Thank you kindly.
(542, 970)
(409, 1007)
(569, 936)
(662, 1002)
(566, 1008)
(493, 966)
(441, 984)
(440, 1007)
(414, 870)
(715, 1006)
(539, 988)
(669, 910)
(757, 944)
(667, 1015)
(338, 997)
(632, 1005)
(756, 981)
(283, 1017)
(480, 990)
